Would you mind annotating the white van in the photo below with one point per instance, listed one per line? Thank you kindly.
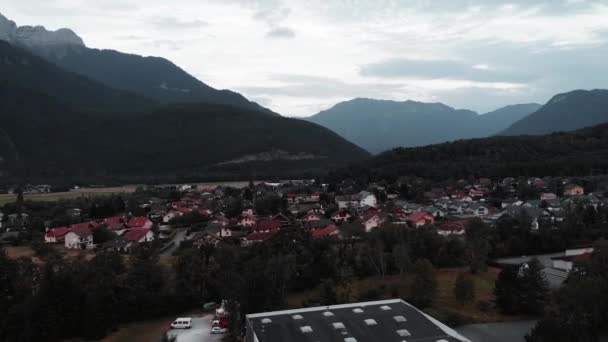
(182, 323)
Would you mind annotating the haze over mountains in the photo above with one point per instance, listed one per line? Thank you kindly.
(379, 125)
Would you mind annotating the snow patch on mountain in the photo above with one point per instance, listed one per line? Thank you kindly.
(36, 36)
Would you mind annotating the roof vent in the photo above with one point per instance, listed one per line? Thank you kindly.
(328, 314)
(339, 326)
(350, 339)
(266, 320)
(404, 333)
(358, 310)
(399, 319)
(297, 317)
(307, 329)
(385, 307)
(370, 321)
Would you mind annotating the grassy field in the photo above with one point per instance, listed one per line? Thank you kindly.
(396, 286)
(56, 196)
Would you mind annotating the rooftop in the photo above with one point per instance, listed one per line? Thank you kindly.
(380, 321)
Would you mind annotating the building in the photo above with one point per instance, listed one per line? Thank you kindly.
(381, 321)
(79, 237)
(574, 190)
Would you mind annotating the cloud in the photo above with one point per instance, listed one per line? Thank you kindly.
(449, 69)
(168, 23)
(281, 32)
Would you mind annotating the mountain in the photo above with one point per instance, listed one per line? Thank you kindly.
(152, 77)
(379, 125)
(565, 112)
(576, 153)
(56, 124)
(55, 141)
(20, 68)
(498, 120)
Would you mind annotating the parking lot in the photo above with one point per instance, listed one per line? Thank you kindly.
(200, 331)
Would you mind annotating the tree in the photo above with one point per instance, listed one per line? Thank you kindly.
(327, 293)
(533, 289)
(464, 288)
(505, 290)
(102, 234)
(424, 283)
(401, 258)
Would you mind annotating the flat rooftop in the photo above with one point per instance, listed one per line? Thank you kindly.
(379, 321)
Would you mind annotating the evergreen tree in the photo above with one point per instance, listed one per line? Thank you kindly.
(424, 283)
(464, 289)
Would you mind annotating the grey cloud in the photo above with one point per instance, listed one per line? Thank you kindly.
(176, 23)
(450, 69)
(281, 32)
(321, 87)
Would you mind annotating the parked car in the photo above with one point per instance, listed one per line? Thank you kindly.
(218, 330)
(182, 323)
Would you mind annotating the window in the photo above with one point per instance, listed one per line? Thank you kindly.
(403, 333)
(266, 320)
(370, 321)
(339, 326)
(358, 310)
(399, 319)
(297, 317)
(385, 308)
(328, 314)
(306, 329)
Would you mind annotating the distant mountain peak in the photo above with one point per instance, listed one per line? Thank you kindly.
(36, 36)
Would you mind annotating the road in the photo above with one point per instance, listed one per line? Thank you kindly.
(200, 332)
(180, 235)
(497, 332)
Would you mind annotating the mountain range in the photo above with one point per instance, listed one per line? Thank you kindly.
(61, 124)
(379, 125)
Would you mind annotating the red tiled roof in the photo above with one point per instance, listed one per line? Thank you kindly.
(89, 224)
(268, 225)
(318, 233)
(136, 234)
(453, 225)
(139, 221)
(81, 230)
(419, 215)
(58, 232)
(261, 236)
(585, 257)
(114, 220)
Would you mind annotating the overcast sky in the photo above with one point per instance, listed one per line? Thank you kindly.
(301, 56)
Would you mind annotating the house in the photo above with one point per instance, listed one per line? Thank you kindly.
(347, 202)
(247, 221)
(312, 217)
(547, 196)
(171, 215)
(221, 220)
(120, 245)
(478, 209)
(140, 222)
(79, 237)
(573, 190)
(366, 198)
(115, 220)
(248, 212)
(420, 218)
(330, 230)
(282, 218)
(267, 226)
(392, 320)
(139, 235)
(341, 216)
(74, 212)
(452, 228)
(56, 234)
(258, 237)
(372, 221)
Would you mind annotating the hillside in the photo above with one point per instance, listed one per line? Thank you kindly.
(152, 77)
(379, 125)
(564, 154)
(20, 68)
(57, 141)
(565, 112)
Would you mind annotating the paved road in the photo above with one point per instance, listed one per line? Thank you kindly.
(200, 332)
(180, 235)
(497, 332)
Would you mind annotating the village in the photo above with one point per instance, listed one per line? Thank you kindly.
(527, 216)
(316, 208)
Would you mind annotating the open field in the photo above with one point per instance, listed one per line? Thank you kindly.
(396, 285)
(56, 196)
(27, 252)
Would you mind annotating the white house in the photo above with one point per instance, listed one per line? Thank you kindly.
(366, 198)
(140, 235)
(79, 238)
